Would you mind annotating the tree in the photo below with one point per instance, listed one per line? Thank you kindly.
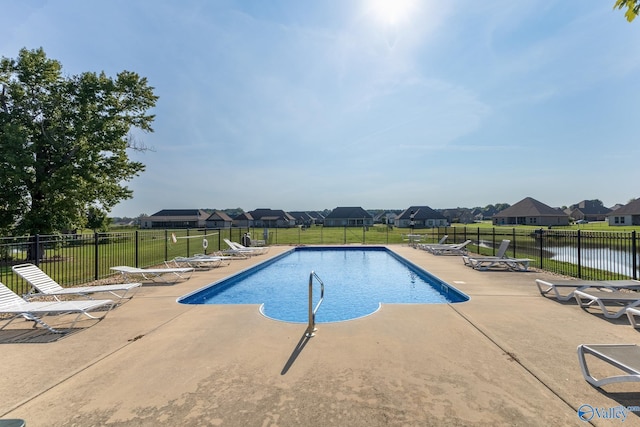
(97, 219)
(64, 142)
(632, 6)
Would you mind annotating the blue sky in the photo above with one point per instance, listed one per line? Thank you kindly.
(307, 105)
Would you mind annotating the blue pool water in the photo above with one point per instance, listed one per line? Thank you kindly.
(356, 280)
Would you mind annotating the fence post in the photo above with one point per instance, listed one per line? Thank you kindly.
(579, 257)
(36, 250)
(166, 243)
(96, 264)
(137, 248)
(493, 240)
(540, 235)
(634, 254)
(513, 233)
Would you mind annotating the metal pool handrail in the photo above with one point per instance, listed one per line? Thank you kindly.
(311, 328)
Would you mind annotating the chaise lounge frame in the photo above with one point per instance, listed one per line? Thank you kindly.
(449, 249)
(602, 299)
(43, 285)
(625, 357)
(11, 304)
(484, 263)
(553, 288)
(157, 275)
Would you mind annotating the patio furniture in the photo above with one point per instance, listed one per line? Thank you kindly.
(157, 275)
(486, 262)
(199, 262)
(604, 299)
(631, 314)
(553, 287)
(14, 307)
(425, 246)
(625, 357)
(248, 250)
(449, 249)
(43, 285)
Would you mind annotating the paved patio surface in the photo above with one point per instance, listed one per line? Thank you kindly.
(507, 357)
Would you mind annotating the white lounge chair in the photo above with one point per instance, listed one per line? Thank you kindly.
(43, 285)
(546, 287)
(502, 251)
(631, 314)
(500, 259)
(199, 262)
(604, 299)
(238, 248)
(235, 253)
(625, 357)
(12, 305)
(426, 246)
(158, 275)
(449, 249)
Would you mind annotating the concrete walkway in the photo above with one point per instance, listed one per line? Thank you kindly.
(507, 357)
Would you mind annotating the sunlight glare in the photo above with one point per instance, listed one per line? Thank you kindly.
(391, 12)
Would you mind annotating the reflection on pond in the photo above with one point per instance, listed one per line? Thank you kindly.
(606, 259)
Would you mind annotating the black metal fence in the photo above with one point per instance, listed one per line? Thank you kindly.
(80, 258)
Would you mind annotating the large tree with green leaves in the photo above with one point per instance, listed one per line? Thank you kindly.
(632, 6)
(64, 142)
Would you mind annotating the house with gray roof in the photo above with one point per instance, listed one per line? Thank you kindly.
(317, 217)
(270, 218)
(458, 215)
(628, 214)
(219, 219)
(529, 211)
(348, 217)
(302, 218)
(420, 217)
(588, 210)
(243, 220)
(386, 217)
(175, 218)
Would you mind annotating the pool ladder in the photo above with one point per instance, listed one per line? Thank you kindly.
(311, 328)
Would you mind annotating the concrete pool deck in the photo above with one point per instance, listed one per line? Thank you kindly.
(506, 357)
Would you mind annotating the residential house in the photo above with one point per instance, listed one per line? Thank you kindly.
(175, 218)
(219, 219)
(478, 215)
(388, 217)
(588, 210)
(269, 218)
(348, 217)
(420, 217)
(529, 211)
(302, 218)
(318, 218)
(628, 214)
(458, 215)
(243, 220)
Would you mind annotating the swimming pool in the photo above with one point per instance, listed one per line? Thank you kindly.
(357, 281)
